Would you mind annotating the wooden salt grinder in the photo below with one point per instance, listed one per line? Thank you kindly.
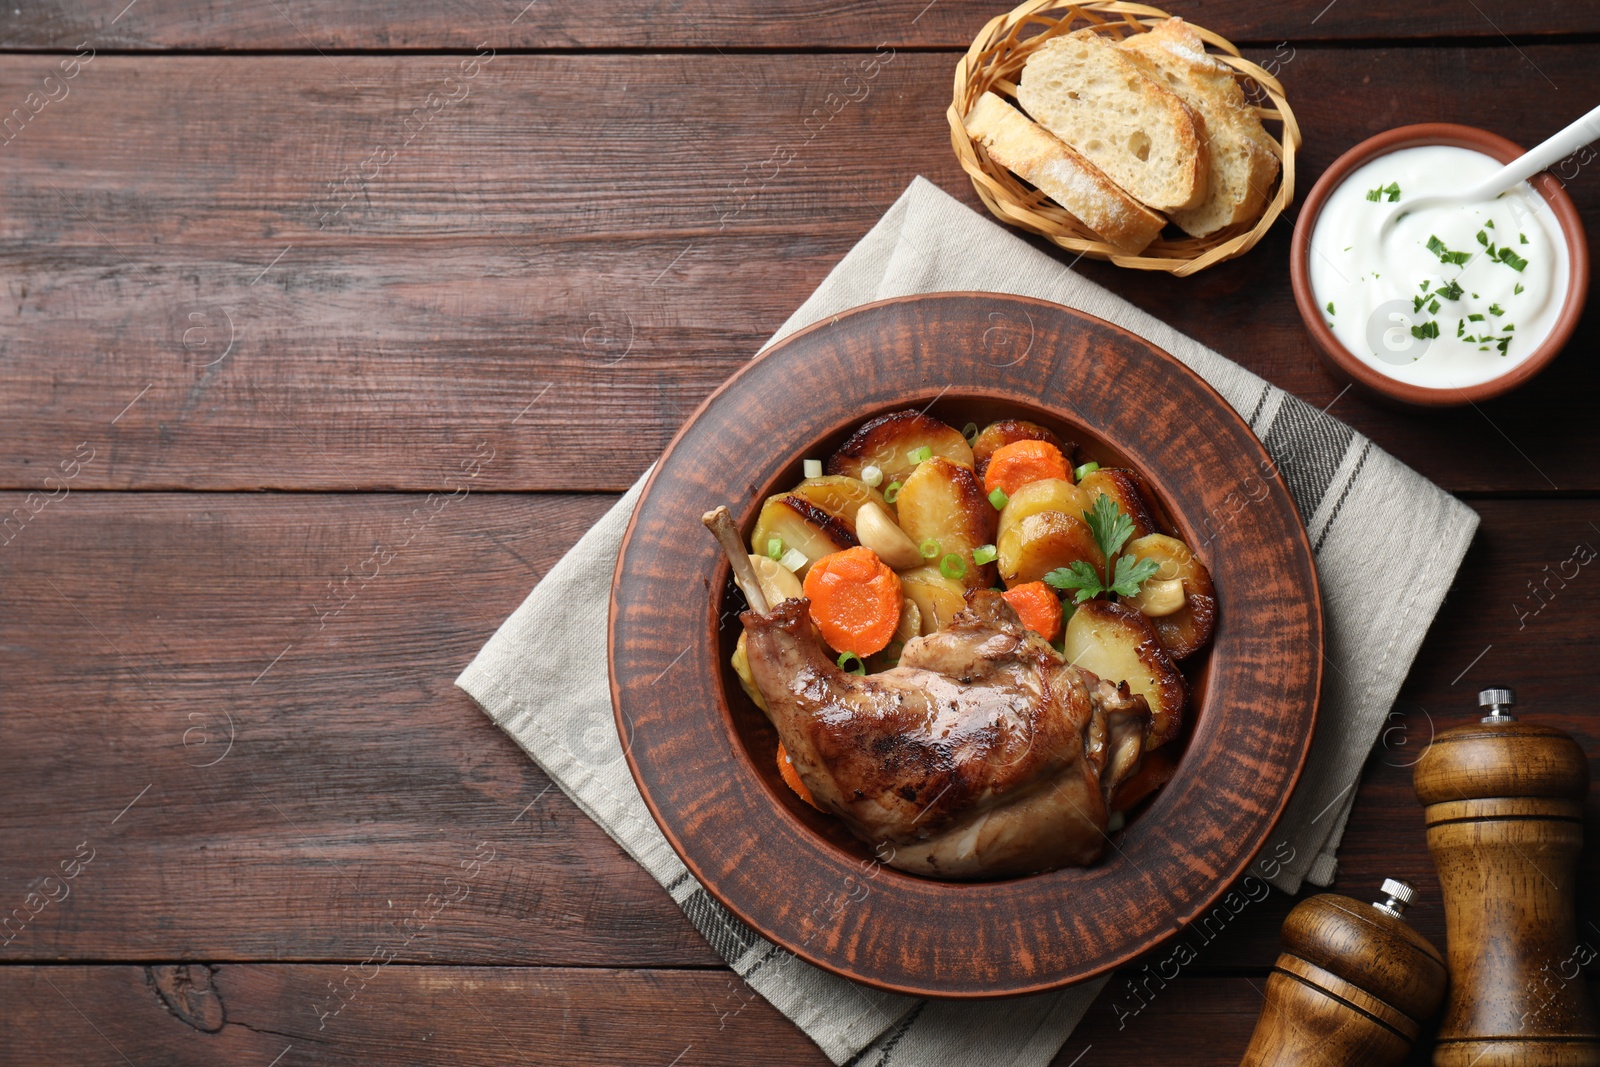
(1354, 985)
(1505, 825)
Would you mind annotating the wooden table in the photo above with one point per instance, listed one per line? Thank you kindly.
(279, 274)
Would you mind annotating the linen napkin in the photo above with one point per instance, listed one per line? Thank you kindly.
(542, 677)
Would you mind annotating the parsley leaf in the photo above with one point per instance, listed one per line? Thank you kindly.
(1130, 573)
(1496, 309)
(1452, 291)
(1081, 576)
(1518, 290)
(1111, 528)
(1330, 307)
(1512, 260)
(1433, 308)
(1426, 330)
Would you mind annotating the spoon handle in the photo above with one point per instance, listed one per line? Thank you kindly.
(1547, 153)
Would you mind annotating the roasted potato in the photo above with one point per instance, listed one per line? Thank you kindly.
(840, 496)
(943, 502)
(1043, 541)
(937, 598)
(1123, 487)
(888, 441)
(1117, 643)
(1046, 494)
(741, 667)
(1007, 431)
(1187, 630)
(802, 526)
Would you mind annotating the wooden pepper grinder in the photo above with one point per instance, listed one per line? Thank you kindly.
(1505, 825)
(1353, 987)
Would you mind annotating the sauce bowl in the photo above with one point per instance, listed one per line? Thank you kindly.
(1349, 367)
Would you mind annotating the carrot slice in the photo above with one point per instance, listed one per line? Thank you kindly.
(791, 778)
(1038, 606)
(855, 600)
(1015, 465)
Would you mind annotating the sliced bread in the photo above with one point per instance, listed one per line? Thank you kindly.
(1243, 163)
(1086, 91)
(1034, 155)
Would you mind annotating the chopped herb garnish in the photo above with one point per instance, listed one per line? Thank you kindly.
(1518, 290)
(1449, 292)
(1504, 342)
(1474, 317)
(1424, 285)
(1483, 238)
(1417, 302)
(1523, 238)
(1392, 191)
(1461, 327)
(1490, 224)
(1509, 327)
(1438, 248)
(1512, 260)
(1426, 330)
(1111, 529)
(1433, 308)
(1496, 309)
(1330, 308)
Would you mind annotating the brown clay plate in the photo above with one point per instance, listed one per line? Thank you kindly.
(702, 754)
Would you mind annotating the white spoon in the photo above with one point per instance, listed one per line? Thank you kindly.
(1546, 154)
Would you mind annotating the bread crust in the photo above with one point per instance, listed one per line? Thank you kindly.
(1077, 185)
(1243, 164)
(1089, 93)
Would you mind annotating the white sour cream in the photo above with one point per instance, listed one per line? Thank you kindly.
(1405, 305)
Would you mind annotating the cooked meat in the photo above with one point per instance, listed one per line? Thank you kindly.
(982, 754)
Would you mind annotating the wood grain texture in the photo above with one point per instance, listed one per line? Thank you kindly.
(1505, 826)
(480, 271)
(1353, 985)
(302, 25)
(94, 1016)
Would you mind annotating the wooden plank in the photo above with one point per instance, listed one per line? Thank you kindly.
(304, 25)
(265, 758)
(135, 629)
(287, 1014)
(509, 277)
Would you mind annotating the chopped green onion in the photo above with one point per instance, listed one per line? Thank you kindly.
(873, 476)
(922, 455)
(970, 432)
(774, 548)
(998, 498)
(929, 548)
(793, 560)
(891, 494)
(1088, 468)
(984, 554)
(844, 663)
(953, 567)
(812, 468)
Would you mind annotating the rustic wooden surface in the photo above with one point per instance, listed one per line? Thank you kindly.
(553, 267)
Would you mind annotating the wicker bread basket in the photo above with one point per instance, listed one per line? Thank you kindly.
(994, 62)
